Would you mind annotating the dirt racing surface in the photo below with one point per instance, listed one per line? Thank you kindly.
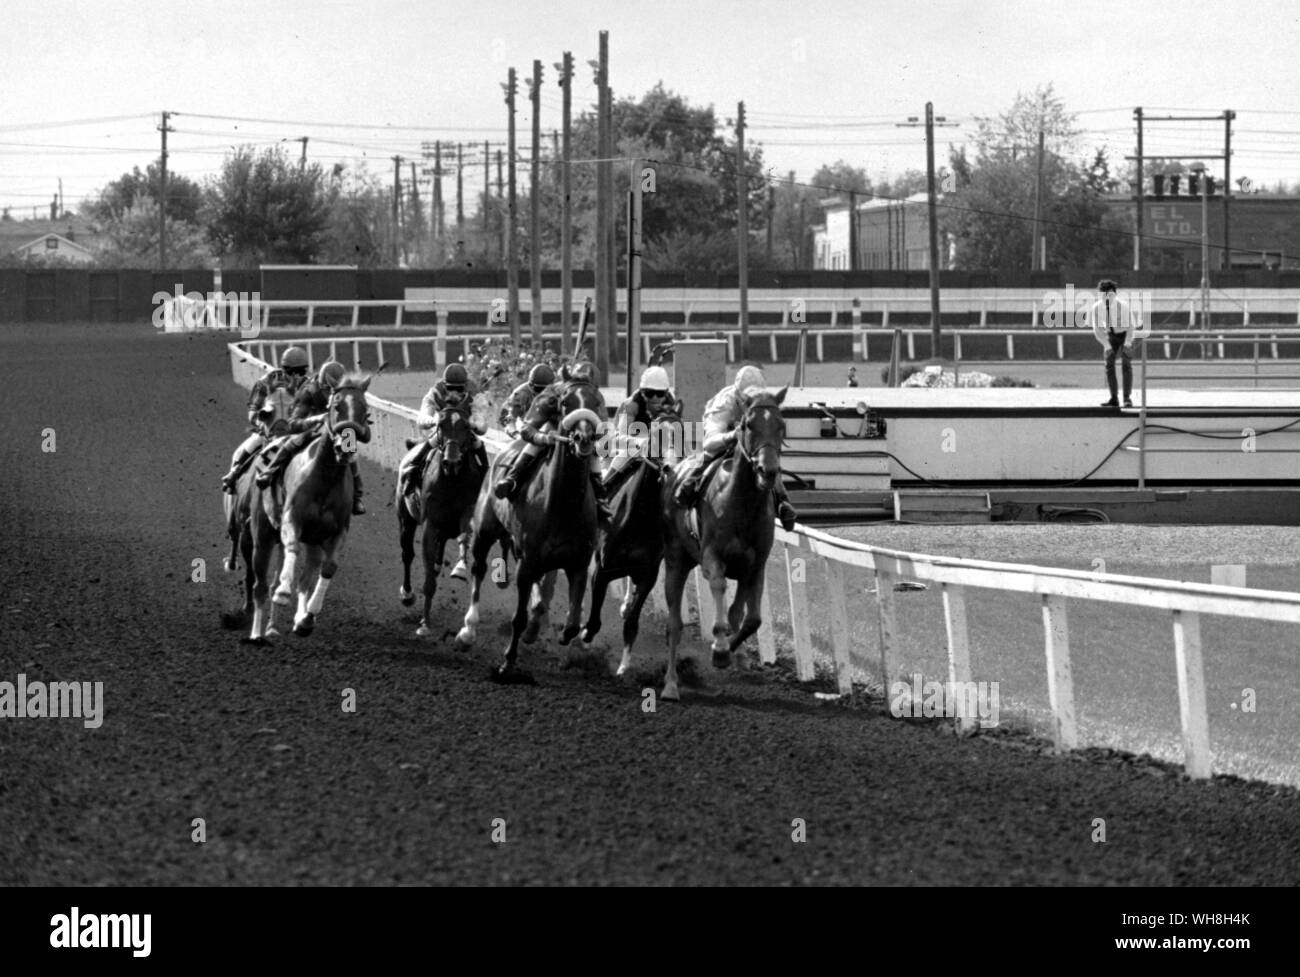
(115, 439)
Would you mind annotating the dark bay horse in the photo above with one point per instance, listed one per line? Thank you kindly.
(450, 483)
(315, 517)
(550, 525)
(633, 545)
(735, 516)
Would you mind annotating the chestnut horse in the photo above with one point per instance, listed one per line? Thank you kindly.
(735, 521)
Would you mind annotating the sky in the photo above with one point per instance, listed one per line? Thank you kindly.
(82, 83)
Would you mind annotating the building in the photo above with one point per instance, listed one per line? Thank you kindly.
(891, 234)
(1265, 230)
(72, 239)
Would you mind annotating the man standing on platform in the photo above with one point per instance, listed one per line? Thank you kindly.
(1115, 324)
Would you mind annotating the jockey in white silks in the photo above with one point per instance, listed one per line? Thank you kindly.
(721, 415)
(632, 422)
(270, 401)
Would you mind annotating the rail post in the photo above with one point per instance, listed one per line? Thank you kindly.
(1142, 423)
(766, 637)
(800, 636)
(1060, 682)
(888, 624)
(835, 585)
(954, 614)
(1191, 694)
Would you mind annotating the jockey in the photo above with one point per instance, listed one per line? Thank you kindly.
(537, 429)
(521, 398)
(652, 398)
(721, 415)
(270, 400)
(455, 389)
(310, 407)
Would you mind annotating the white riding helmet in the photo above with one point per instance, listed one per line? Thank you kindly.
(749, 376)
(655, 378)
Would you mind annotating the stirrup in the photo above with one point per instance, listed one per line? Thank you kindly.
(505, 488)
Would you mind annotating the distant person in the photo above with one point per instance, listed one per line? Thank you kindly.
(1115, 324)
(853, 376)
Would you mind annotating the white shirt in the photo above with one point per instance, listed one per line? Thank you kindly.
(1112, 315)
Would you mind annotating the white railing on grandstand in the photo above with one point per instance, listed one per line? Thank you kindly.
(846, 563)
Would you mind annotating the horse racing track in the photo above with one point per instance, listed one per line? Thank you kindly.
(115, 439)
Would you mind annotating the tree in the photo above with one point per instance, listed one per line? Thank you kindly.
(840, 177)
(991, 211)
(184, 196)
(264, 208)
(132, 240)
(359, 224)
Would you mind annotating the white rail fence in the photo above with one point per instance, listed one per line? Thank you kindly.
(850, 566)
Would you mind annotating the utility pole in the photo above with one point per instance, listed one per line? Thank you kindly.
(487, 187)
(438, 223)
(611, 221)
(566, 217)
(1139, 197)
(603, 312)
(501, 225)
(397, 196)
(742, 230)
(1228, 116)
(1036, 263)
(512, 242)
(853, 230)
(302, 160)
(415, 211)
(460, 190)
(771, 209)
(162, 195)
(1199, 169)
(930, 121)
(534, 210)
(634, 210)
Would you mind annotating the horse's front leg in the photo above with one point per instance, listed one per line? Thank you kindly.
(481, 543)
(332, 553)
(577, 577)
(304, 622)
(674, 585)
(716, 575)
(406, 539)
(599, 585)
(539, 607)
(434, 545)
(289, 539)
(508, 671)
(751, 592)
(632, 619)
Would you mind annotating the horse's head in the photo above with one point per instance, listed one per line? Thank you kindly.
(347, 419)
(582, 412)
(762, 430)
(455, 436)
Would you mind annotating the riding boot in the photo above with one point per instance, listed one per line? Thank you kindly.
(480, 455)
(357, 508)
(514, 478)
(229, 479)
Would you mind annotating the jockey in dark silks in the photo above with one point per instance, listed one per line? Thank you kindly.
(455, 389)
(721, 415)
(537, 430)
(310, 408)
(652, 398)
(521, 398)
(270, 403)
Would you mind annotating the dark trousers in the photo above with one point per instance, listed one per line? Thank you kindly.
(1117, 346)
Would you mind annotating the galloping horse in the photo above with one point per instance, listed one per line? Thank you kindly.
(735, 517)
(633, 546)
(550, 525)
(446, 501)
(316, 514)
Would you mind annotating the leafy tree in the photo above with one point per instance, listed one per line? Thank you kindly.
(841, 177)
(184, 196)
(264, 208)
(132, 240)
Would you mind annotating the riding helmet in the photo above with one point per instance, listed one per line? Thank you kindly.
(541, 375)
(331, 374)
(294, 358)
(655, 378)
(749, 376)
(455, 375)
